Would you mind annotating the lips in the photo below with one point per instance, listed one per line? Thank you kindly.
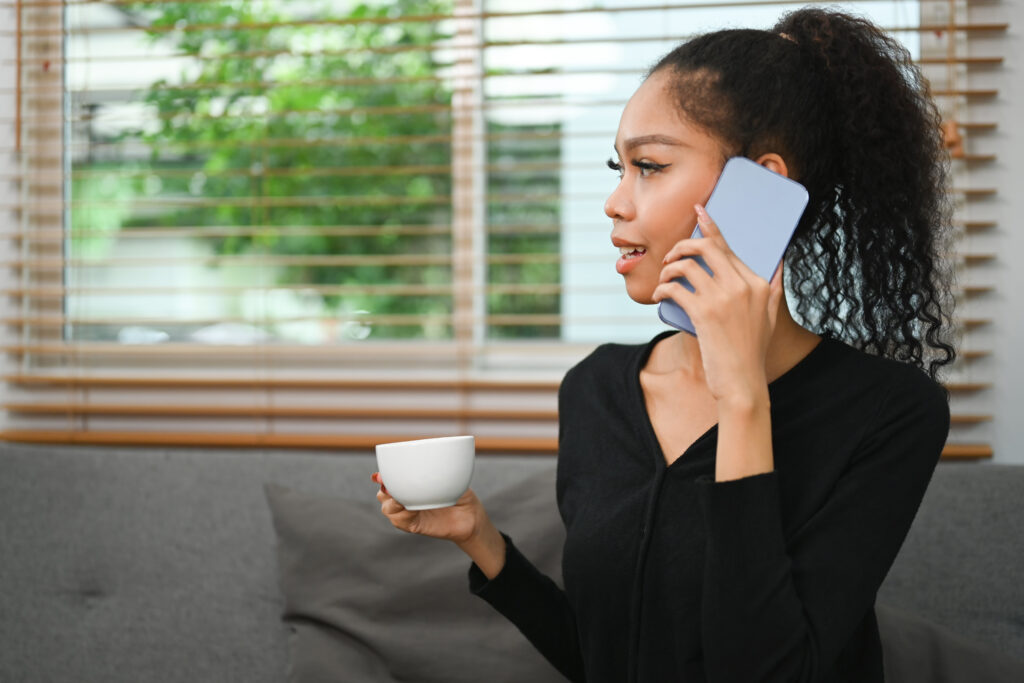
(629, 257)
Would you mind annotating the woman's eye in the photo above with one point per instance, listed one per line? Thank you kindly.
(648, 168)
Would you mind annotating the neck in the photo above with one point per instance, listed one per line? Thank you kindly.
(788, 345)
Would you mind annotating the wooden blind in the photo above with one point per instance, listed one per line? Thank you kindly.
(331, 224)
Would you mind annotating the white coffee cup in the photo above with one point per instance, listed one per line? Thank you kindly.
(427, 473)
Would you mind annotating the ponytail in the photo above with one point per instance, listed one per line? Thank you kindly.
(851, 115)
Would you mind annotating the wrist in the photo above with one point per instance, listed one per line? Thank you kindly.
(745, 403)
(744, 437)
(486, 547)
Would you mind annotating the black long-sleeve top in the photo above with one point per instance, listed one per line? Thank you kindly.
(671, 576)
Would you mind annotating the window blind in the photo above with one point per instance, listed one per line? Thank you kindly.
(331, 224)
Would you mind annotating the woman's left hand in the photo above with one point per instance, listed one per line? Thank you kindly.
(733, 312)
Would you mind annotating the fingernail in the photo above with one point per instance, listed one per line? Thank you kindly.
(700, 210)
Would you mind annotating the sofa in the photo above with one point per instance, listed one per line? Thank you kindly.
(121, 564)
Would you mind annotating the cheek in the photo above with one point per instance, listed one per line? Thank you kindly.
(670, 215)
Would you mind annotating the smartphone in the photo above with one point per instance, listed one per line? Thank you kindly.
(756, 211)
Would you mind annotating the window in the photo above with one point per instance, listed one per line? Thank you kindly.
(282, 223)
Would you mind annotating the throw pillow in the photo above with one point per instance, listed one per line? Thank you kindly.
(916, 650)
(368, 603)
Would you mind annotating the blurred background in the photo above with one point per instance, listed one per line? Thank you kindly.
(328, 223)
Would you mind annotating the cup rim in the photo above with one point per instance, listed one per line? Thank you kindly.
(436, 439)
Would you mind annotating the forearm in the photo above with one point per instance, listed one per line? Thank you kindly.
(537, 606)
(753, 620)
(486, 548)
(744, 437)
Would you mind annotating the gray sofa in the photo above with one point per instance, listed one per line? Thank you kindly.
(159, 565)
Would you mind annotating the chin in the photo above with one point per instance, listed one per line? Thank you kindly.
(641, 295)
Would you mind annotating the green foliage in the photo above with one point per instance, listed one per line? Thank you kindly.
(296, 125)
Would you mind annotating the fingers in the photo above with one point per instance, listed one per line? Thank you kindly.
(712, 248)
(709, 231)
(709, 227)
(676, 292)
(690, 268)
(391, 508)
(396, 513)
(716, 253)
(388, 505)
(732, 278)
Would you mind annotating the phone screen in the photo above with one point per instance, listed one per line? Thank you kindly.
(757, 212)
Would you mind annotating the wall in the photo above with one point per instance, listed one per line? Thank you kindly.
(1005, 368)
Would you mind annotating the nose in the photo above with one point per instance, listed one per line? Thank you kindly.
(619, 206)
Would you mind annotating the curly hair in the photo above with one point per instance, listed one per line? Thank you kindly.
(852, 116)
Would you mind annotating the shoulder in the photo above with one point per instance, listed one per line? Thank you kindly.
(597, 369)
(607, 366)
(915, 395)
(901, 382)
(605, 377)
(848, 395)
(899, 393)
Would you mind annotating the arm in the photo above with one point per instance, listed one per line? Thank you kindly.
(499, 574)
(744, 437)
(782, 610)
(528, 598)
(537, 607)
(487, 550)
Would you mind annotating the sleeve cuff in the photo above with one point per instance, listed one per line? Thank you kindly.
(743, 519)
(515, 563)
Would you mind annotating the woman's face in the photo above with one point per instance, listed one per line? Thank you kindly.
(666, 165)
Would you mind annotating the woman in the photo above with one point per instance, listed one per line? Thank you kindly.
(734, 500)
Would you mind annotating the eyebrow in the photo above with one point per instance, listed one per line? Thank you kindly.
(651, 140)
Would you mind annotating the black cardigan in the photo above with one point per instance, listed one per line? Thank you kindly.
(670, 576)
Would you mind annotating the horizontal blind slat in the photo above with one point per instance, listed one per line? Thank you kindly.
(363, 290)
(57, 207)
(507, 319)
(433, 18)
(46, 235)
(496, 103)
(409, 350)
(264, 86)
(484, 444)
(320, 382)
(394, 412)
(398, 49)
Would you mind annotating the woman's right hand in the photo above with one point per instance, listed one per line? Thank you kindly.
(458, 523)
(466, 524)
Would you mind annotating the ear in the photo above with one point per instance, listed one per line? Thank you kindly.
(773, 162)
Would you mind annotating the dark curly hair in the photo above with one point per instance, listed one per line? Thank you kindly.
(852, 116)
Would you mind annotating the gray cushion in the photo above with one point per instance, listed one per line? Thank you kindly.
(916, 650)
(367, 602)
(137, 565)
(962, 565)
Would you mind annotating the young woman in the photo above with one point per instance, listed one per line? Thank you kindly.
(734, 500)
